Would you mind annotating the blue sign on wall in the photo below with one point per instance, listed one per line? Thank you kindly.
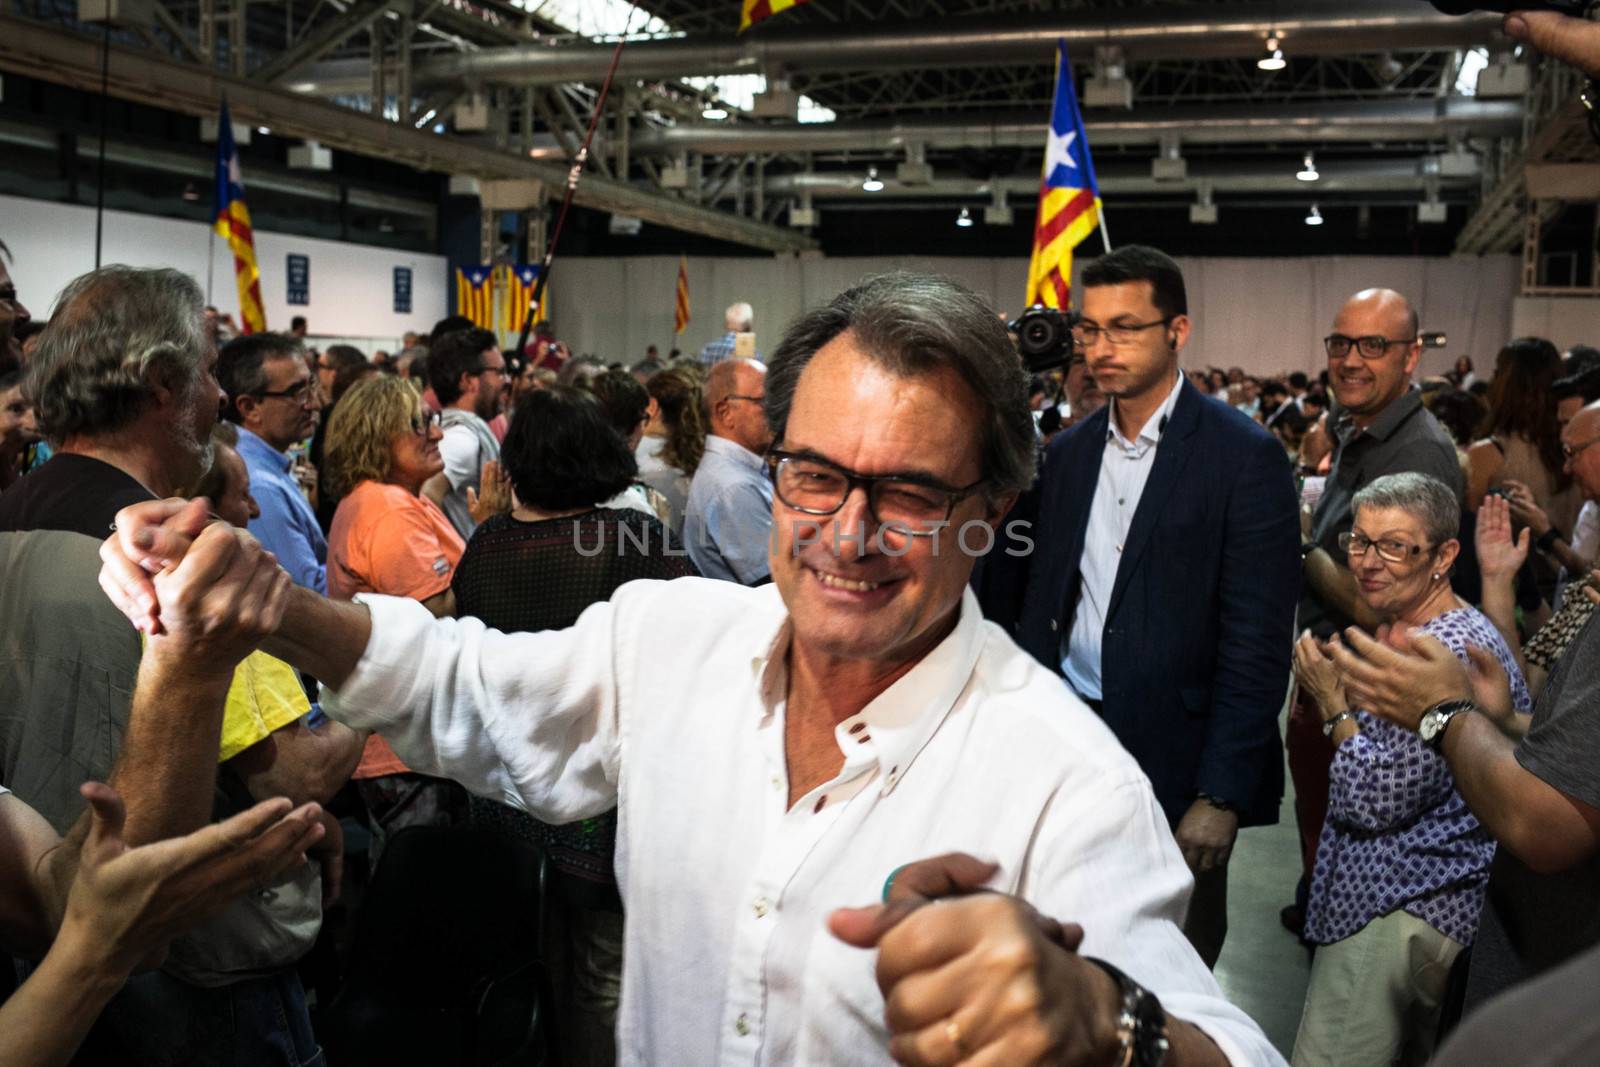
(299, 275)
(402, 290)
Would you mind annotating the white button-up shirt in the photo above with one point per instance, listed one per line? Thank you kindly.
(1124, 468)
(668, 701)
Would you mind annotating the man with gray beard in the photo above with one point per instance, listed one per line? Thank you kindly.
(124, 380)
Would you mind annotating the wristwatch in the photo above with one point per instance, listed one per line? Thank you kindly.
(1333, 723)
(1547, 540)
(1141, 1021)
(1435, 719)
(1306, 548)
(1218, 803)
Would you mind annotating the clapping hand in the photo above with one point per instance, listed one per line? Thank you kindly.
(496, 496)
(126, 903)
(1500, 556)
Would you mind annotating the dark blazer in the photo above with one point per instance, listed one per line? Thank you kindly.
(1200, 626)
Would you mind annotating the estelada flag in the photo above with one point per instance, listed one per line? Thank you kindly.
(756, 10)
(230, 217)
(475, 295)
(680, 309)
(1069, 196)
(520, 282)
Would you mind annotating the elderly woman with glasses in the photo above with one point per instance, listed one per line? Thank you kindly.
(1401, 863)
(388, 538)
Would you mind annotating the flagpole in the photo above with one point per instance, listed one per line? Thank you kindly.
(211, 256)
(1105, 235)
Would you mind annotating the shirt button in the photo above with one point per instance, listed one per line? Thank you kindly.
(760, 907)
(1054, 626)
(741, 1025)
(777, 783)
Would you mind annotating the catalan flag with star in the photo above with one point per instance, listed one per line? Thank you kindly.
(756, 10)
(1069, 196)
(475, 295)
(230, 217)
(521, 280)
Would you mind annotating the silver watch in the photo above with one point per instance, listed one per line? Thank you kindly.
(1435, 719)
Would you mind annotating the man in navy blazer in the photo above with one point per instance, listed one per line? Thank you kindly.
(1165, 574)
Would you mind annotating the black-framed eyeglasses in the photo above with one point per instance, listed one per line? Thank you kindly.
(1395, 551)
(1373, 346)
(912, 505)
(303, 393)
(502, 370)
(1571, 450)
(752, 399)
(422, 425)
(1119, 334)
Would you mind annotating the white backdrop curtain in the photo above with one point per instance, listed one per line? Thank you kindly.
(1265, 315)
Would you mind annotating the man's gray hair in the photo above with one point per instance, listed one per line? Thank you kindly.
(912, 324)
(115, 333)
(1417, 494)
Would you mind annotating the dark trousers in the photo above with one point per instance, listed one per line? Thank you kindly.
(1206, 926)
(1310, 755)
(158, 1021)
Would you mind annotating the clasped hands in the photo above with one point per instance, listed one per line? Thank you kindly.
(191, 581)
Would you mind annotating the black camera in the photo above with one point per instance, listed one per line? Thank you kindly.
(1044, 337)
(1574, 8)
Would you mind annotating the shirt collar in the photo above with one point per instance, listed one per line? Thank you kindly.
(899, 722)
(1150, 432)
(733, 450)
(251, 443)
(1390, 418)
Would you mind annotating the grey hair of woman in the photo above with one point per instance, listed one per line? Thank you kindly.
(116, 332)
(1419, 495)
(913, 324)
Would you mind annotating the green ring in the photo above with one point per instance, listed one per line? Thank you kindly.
(888, 883)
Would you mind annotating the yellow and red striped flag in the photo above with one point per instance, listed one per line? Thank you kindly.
(680, 308)
(475, 295)
(756, 10)
(520, 282)
(230, 218)
(1069, 196)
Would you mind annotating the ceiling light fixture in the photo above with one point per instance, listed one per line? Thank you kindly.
(1308, 170)
(964, 219)
(1273, 60)
(872, 184)
(714, 112)
(1315, 217)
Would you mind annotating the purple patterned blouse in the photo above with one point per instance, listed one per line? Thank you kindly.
(1398, 834)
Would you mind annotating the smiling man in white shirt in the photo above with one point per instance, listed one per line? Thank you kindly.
(787, 747)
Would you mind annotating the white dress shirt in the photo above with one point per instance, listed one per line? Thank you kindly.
(668, 701)
(1124, 468)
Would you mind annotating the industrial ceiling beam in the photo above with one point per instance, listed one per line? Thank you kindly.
(1373, 122)
(72, 59)
(1205, 31)
(321, 40)
(1338, 176)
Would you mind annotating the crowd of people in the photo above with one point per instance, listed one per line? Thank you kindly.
(749, 659)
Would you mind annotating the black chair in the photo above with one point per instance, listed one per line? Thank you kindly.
(447, 965)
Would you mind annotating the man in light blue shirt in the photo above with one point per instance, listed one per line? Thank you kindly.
(728, 520)
(274, 401)
(739, 318)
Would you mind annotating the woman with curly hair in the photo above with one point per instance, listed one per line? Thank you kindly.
(674, 438)
(1520, 441)
(388, 538)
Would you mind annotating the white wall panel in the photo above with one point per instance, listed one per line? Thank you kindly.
(352, 292)
(1265, 315)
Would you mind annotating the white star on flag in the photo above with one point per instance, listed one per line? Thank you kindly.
(1058, 151)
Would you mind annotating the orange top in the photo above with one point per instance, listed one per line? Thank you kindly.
(385, 540)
